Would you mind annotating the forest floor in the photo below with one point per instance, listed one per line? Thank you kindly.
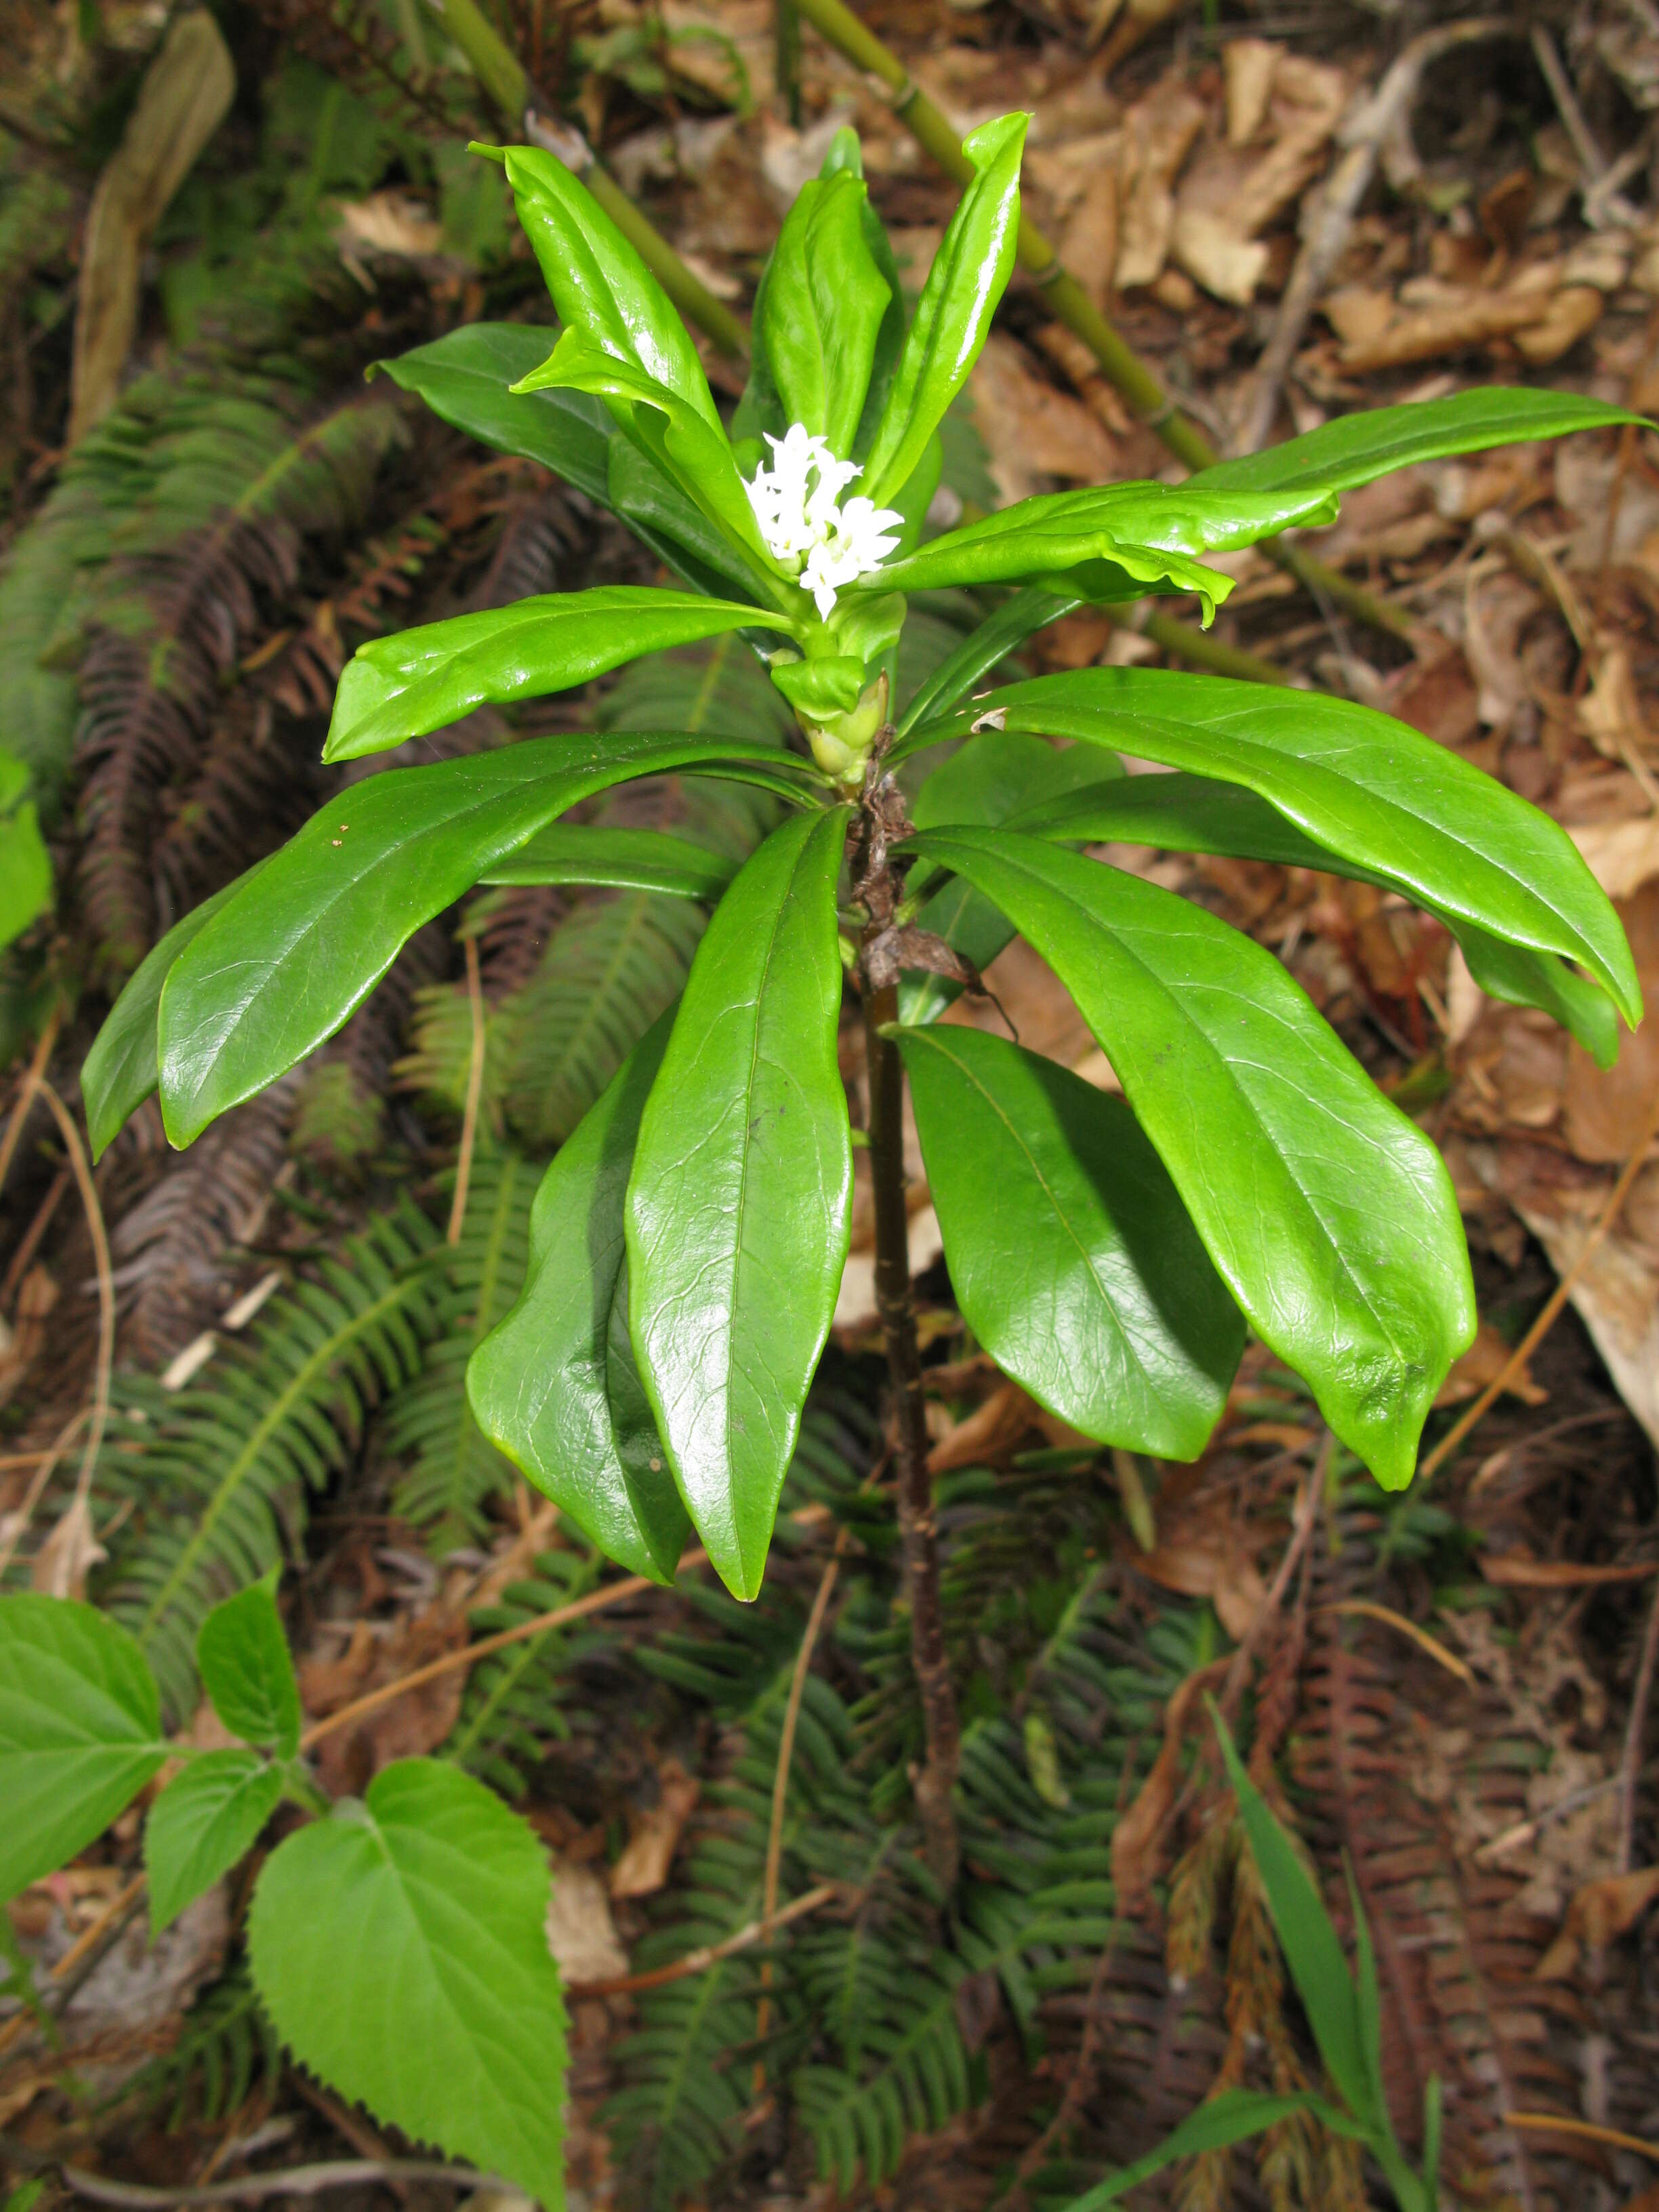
(1290, 211)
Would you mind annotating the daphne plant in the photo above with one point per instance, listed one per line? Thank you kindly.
(1108, 1251)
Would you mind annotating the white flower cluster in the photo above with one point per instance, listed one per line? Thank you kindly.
(794, 503)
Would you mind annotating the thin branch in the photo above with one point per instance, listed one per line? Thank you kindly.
(697, 1962)
(32, 1078)
(1552, 1306)
(45, 1462)
(474, 1093)
(88, 1948)
(780, 1779)
(72, 1145)
(1630, 1765)
(293, 2181)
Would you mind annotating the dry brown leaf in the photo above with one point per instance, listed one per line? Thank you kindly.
(1033, 431)
(391, 223)
(1249, 66)
(69, 1554)
(1620, 855)
(1218, 256)
(407, 1727)
(989, 1433)
(643, 1868)
(580, 1933)
(1158, 134)
(1454, 324)
(37, 1297)
(1600, 1912)
(1482, 1363)
(1605, 1108)
(1575, 310)
(1135, 1860)
(1088, 242)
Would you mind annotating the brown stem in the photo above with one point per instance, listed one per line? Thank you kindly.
(934, 1782)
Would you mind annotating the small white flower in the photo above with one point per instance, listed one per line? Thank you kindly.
(794, 503)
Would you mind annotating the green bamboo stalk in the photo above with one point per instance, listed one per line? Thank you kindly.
(1071, 305)
(504, 77)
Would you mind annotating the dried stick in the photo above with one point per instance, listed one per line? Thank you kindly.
(45, 1463)
(1552, 1306)
(89, 1946)
(32, 1080)
(474, 1093)
(295, 2181)
(697, 1962)
(1630, 1765)
(780, 1779)
(72, 1145)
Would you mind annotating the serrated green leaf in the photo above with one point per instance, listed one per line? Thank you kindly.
(246, 1668)
(206, 1819)
(1185, 813)
(418, 680)
(739, 1203)
(1355, 449)
(1307, 1938)
(400, 1948)
(549, 1385)
(953, 316)
(283, 963)
(122, 1070)
(1071, 1254)
(466, 376)
(823, 306)
(80, 1732)
(599, 285)
(619, 860)
(1329, 1215)
(1361, 785)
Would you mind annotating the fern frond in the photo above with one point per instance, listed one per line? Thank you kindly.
(226, 2048)
(220, 1471)
(457, 1470)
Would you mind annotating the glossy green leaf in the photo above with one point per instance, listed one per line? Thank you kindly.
(466, 376)
(823, 306)
(987, 780)
(620, 859)
(243, 1656)
(984, 649)
(1329, 1214)
(1230, 2116)
(674, 436)
(400, 1950)
(420, 679)
(739, 1207)
(542, 1383)
(1361, 785)
(1149, 531)
(283, 963)
(1354, 449)
(80, 1732)
(1071, 1254)
(599, 285)
(206, 1819)
(1308, 1940)
(121, 1070)
(1184, 813)
(953, 316)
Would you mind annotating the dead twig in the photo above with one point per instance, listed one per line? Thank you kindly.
(294, 2181)
(1630, 1765)
(474, 1093)
(1552, 1306)
(86, 1950)
(33, 1076)
(95, 1213)
(697, 1962)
